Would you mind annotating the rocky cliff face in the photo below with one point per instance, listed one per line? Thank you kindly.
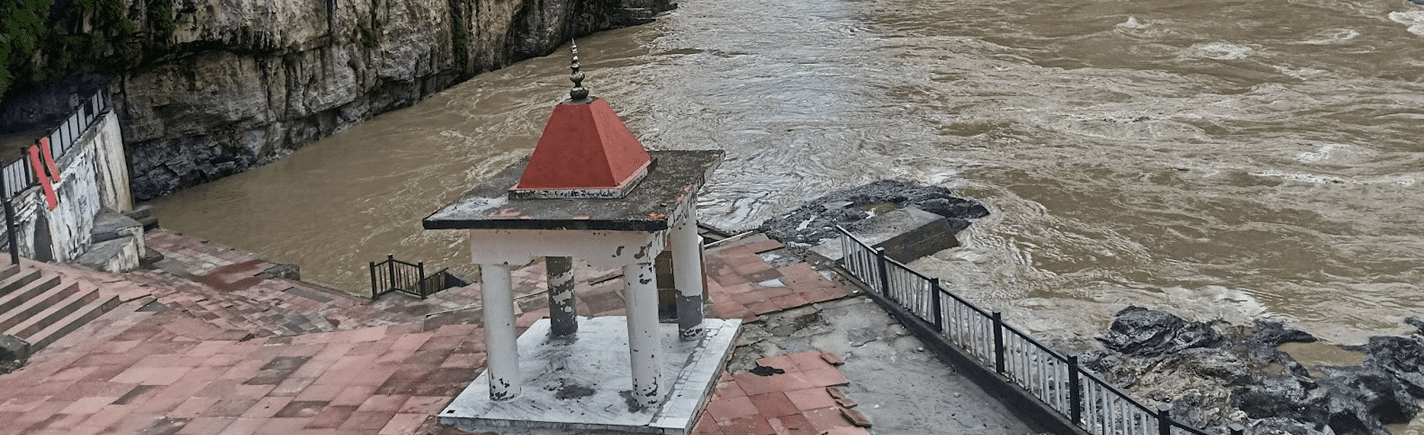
(250, 81)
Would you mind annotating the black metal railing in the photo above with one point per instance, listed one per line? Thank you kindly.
(1055, 379)
(394, 275)
(18, 175)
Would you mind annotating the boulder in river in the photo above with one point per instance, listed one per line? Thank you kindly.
(815, 221)
(1141, 332)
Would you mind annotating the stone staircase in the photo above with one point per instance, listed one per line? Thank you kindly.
(38, 307)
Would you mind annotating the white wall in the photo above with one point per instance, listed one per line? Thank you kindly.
(94, 174)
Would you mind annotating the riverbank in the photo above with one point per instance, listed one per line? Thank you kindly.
(1213, 374)
(206, 344)
(214, 87)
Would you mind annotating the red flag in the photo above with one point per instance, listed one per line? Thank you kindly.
(49, 160)
(40, 173)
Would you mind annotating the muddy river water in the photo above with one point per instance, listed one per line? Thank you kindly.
(1239, 160)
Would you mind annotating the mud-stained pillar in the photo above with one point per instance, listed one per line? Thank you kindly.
(562, 313)
(641, 292)
(503, 353)
(687, 273)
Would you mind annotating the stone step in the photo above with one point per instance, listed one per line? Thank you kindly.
(52, 312)
(18, 279)
(44, 300)
(100, 305)
(9, 271)
(27, 293)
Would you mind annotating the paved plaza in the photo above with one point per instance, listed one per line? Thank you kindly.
(211, 342)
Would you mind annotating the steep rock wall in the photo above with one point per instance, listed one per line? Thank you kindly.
(251, 81)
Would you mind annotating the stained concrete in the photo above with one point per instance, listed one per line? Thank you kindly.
(581, 384)
(906, 235)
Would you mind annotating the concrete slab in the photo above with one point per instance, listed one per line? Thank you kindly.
(906, 234)
(583, 383)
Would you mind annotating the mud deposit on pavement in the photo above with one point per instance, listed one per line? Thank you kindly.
(894, 380)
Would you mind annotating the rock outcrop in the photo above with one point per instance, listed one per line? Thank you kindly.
(246, 82)
(815, 221)
(1213, 378)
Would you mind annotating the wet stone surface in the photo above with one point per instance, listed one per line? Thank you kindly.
(898, 385)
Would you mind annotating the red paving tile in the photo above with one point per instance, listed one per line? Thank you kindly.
(826, 419)
(774, 404)
(847, 430)
(755, 425)
(403, 424)
(826, 377)
(784, 362)
(796, 424)
(206, 425)
(785, 403)
(367, 421)
(331, 417)
(855, 417)
(811, 398)
(730, 408)
(428, 405)
(729, 389)
(302, 409)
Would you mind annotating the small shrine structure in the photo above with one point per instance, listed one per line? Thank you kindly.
(591, 192)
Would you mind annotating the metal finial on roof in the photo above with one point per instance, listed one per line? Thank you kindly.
(578, 92)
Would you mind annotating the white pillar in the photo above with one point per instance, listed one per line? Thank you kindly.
(562, 312)
(687, 272)
(503, 354)
(641, 292)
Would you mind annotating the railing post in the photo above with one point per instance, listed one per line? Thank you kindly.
(374, 291)
(420, 283)
(884, 266)
(999, 356)
(10, 222)
(1236, 428)
(935, 308)
(29, 172)
(1075, 392)
(391, 265)
(9, 231)
(1164, 419)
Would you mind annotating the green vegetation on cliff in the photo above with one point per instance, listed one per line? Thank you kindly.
(45, 39)
(24, 24)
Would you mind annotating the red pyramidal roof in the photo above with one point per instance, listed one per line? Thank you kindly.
(585, 151)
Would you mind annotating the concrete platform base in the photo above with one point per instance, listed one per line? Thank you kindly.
(582, 384)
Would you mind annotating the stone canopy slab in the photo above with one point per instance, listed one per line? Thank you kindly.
(673, 177)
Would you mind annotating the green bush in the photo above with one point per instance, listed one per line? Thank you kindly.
(40, 42)
(24, 27)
